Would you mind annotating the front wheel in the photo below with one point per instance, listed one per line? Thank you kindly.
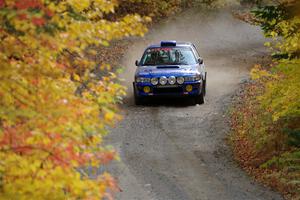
(137, 99)
(199, 99)
(204, 84)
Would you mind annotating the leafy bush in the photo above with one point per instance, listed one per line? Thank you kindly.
(282, 94)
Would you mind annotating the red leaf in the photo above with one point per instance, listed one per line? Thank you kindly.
(2, 3)
(38, 21)
(49, 13)
(106, 157)
(22, 16)
(25, 4)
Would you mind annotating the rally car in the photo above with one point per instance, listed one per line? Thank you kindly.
(172, 69)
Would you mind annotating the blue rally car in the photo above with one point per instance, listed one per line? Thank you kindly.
(170, 69)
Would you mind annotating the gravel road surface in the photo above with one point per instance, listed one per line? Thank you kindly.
(172, 150)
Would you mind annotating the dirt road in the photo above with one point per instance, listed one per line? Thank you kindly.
(175, 151)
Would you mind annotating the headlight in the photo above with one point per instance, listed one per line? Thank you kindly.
(180, 80)
(193, 78)
(172, 80)
(197, 77)
(142, 80)
(163, 80)
(154, 81)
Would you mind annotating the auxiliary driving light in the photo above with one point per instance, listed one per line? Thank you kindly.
(189, 88)
(163, 80)
(180, 80)
(146, 89)
(154, 81)
(172, 80)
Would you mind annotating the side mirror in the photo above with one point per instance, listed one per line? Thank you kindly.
(200, 61)
(137, 63)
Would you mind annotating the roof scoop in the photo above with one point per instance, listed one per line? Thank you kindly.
(168, 43)
(167, 67)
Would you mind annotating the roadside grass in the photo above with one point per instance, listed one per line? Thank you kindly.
(261, 146)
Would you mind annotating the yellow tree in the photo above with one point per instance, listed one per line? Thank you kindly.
(48, 131)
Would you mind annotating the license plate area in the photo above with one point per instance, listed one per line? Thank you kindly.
(167, 86)
(168, 89)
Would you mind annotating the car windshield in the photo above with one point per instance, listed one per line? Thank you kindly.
(168, 56)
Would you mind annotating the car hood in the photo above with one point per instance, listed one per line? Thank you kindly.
(168, 70)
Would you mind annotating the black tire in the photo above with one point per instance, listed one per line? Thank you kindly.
(204, 88)
(199, 99)
(137, 100)
(204, 84)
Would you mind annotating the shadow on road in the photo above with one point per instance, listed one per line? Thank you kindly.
(178, 102)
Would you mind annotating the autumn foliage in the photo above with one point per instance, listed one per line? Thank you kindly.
(54, 107)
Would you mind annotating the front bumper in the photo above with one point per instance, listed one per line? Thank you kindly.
(168, 90)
